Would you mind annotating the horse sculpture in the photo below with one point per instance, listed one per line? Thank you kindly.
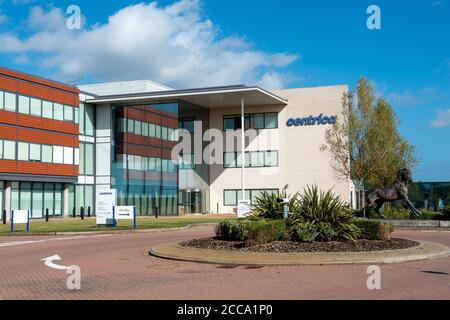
(399, 191)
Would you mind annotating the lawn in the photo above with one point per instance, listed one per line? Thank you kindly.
(89, 224)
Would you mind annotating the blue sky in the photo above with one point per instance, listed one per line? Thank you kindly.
(286, 43)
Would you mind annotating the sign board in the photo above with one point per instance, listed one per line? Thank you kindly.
(243, 209)
(104, 202)
(20, 217)
(124, 213)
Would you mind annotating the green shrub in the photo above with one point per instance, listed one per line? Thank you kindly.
(373, 229)
(252, 231)
(322, 214)
(265, 231)
(326, 232)
(266, 206)
(397, 213)
(446, 212)
(305, 232)
(429, 215)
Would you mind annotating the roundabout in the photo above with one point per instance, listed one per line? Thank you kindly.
(177, 251)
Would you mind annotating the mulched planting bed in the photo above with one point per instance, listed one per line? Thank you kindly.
(290, 247)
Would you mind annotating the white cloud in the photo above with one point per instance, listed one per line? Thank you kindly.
(174, 45)
(442, 120)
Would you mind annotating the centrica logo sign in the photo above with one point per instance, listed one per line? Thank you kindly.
(312, 121)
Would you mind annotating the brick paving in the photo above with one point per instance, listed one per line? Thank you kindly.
(119, 267)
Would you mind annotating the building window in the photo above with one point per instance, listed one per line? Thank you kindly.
(86, 159)
(253, 159)
(47, 153)
(231, 197)
(35, 152)
(58, 154)
(24, 104)
(137, 127)
(23, 151)
(10, 101)
(58, 111)
(86, 119)
(47, 109)
(251, 121)
(68, 113)
(68, 155)
(2, 100)
(9, 150)
(36, 107)
(1, 149)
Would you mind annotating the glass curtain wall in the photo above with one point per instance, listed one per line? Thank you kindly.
(37, 197)
(143, 173)
(81, 196)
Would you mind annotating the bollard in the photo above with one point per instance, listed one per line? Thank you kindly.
(156, 212)
(4, 216)
(46, 215)
(73, 213)
(89, 211)
(82, 213)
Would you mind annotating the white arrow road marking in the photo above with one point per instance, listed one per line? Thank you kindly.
(49, 262)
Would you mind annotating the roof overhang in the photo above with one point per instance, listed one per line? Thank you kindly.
(217, 97)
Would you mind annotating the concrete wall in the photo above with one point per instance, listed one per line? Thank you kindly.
(300, 160)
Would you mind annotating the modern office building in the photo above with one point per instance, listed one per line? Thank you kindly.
(60, 144)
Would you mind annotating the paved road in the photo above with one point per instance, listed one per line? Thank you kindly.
(119, 267)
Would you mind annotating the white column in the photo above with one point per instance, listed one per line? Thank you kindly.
(243, 146)
(7, 199)
(66, 208)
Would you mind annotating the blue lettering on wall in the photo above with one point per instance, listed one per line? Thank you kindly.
(311, 121)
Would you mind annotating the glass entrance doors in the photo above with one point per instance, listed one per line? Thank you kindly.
(192, 202)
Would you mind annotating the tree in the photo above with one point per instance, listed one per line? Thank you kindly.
(365, 144)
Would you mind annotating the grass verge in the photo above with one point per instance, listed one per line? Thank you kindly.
(89, 224)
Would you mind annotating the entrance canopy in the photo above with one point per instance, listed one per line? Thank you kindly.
(216, 97)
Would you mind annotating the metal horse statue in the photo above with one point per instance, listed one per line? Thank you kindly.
(399, 191)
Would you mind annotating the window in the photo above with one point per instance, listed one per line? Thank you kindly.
(145, 129)
(271, 120)
(2, 98)
(230, 160)
(24, 104)
(89, 121)
(152, 130)
(137, 127)
(81, 117)
(77, 115)
(23, 151)
(152, 164)
(253, 159)
(68, 113)
(89, 159)
(47, 109)
(271, 159)
(1, 149)
(47, 153)
(10, 101)
(252, 121)
(158, 131)
(187, 124)
(257, 121)
(76, 160)
(130, 126)
(58, 154)
(230, 197)
(164, 133)
(36, 107)
(58, 112)
(9, 150)
(35, 152)
(68, 155)
(122, 125)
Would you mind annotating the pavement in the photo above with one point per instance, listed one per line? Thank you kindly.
(118, 267)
